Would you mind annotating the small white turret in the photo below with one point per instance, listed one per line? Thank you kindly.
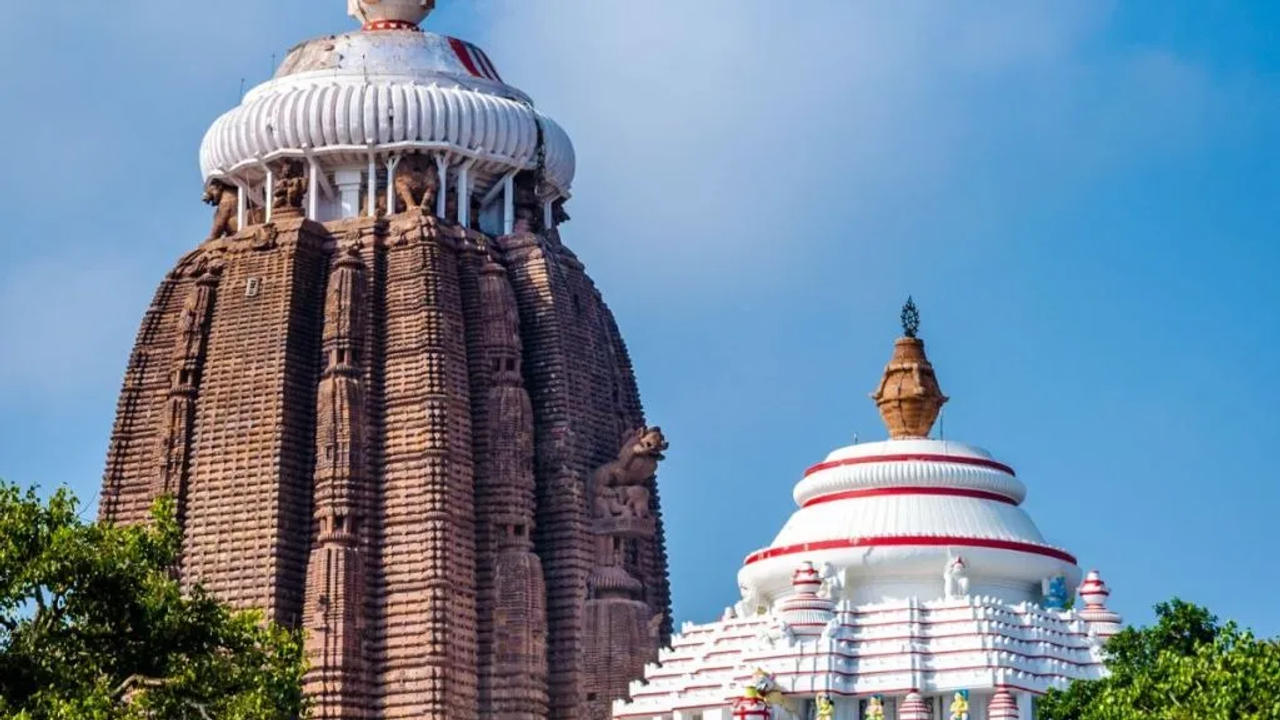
(804, 610)
(914, 708)
(1094, 592)
(1002, 705)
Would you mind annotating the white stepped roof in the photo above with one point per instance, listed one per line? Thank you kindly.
(884, 648)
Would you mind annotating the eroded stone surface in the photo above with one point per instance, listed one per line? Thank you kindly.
(385, 431)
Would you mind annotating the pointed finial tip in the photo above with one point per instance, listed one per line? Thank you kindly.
(910, 318)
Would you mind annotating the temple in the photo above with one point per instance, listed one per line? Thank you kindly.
(391, 405)
(909, 584)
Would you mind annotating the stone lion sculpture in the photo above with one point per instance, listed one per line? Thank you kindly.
(417, 182)
(622, 486)
(224, 198)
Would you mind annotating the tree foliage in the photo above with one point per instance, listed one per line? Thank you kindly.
(1185, 667)
(94, 626)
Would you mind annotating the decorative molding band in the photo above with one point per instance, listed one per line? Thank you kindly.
(910, 490)
(910, 457)
(908, 540)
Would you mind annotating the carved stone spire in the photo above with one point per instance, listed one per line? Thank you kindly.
(908, 396)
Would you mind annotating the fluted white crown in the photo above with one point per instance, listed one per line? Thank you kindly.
(339, 99)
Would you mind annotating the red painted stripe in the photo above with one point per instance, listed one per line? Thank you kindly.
(907, 540)
(911, 490)
(486, 63)
(460, 49)
(908, 457)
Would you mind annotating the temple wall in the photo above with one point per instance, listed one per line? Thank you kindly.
(489, 383)
(132, 456)
(248, 503)
(427, 640)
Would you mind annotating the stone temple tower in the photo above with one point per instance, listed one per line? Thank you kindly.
(391, 405)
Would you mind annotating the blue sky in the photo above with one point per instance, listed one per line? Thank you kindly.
(1082, 197)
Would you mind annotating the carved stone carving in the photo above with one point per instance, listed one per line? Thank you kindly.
(224, 198)
(528, 211)
(265, 237)
(290, 188)
(955, 578)
(622, 486)
(416, 185)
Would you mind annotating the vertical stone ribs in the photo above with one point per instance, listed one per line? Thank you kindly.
(248, 505)
(510, 588)
(428, 633)
(184, 382)
(127, 486)
(332, 615)
(382, 430)
(584, 398)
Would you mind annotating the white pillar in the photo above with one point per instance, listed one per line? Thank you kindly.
(1025, 702)
(392, 162)
(464, 194)
(313, 190)
(508, 205)
(546, 214)
(348, 182)
(373, 187)
(242, 205)
(443, 170)
(269, 192)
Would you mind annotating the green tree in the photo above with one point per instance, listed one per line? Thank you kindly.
(1187, 666)
(94, 626)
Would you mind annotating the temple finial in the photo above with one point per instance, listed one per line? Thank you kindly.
(908, 396)
(390, 14)
(910, 318)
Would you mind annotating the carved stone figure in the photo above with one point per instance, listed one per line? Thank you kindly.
(528, 215)
(955, 578)
(622, 486)
(832, 582)
(416, 185)
(558, 214)
(750, 603)
(290, 188)
(224, 198)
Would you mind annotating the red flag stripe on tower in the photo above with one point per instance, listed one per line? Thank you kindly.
(474, 60)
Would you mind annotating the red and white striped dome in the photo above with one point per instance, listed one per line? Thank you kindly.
(892, 515)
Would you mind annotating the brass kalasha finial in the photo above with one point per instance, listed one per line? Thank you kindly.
(908, 396)
(910, 318)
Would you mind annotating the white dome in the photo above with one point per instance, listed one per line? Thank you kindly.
(892, 514)
(339, 98)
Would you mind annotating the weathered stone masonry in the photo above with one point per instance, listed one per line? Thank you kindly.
(384, 431)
